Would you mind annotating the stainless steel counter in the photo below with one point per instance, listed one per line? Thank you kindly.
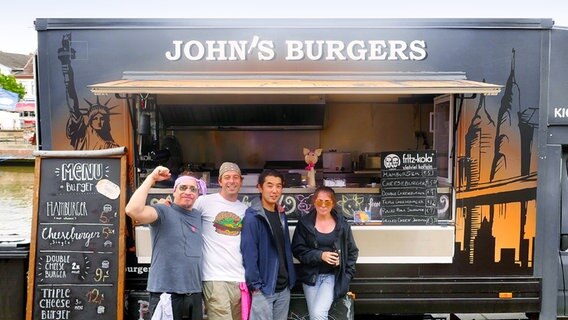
(377, 243)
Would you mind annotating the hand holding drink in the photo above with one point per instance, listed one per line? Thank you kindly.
(331, 257)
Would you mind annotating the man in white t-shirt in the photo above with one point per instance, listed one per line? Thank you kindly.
(223, 271)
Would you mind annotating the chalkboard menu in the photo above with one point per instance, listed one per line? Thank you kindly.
(409, 188)
(76, 260)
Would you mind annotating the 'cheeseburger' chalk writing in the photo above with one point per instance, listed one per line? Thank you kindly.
(66, 237)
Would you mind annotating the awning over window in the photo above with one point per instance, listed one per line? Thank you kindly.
(418, 85)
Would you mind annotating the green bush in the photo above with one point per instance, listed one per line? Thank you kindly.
(8, 82)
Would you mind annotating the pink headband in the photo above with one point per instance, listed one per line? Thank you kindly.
(200, 183)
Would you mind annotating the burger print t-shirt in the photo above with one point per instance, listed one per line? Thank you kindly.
(222, 224)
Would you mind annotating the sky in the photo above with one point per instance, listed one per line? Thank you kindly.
(18, 35)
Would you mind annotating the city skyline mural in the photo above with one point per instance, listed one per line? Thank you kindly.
(496, 182)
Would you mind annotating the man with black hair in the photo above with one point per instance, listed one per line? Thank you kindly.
(265, 245)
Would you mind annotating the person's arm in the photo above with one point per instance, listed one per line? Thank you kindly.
(249, 249)
(136, 207)
(304, 252)
(352, 253)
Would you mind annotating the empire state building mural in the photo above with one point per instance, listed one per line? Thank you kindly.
(496, 183)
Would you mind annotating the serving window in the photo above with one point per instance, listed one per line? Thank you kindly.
(356, 115)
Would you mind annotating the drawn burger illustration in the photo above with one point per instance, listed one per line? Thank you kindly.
(228, 223)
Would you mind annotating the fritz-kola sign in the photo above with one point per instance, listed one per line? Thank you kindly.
(296, 50)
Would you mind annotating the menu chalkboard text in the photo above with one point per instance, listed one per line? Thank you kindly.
(76, 265)
(409, 188)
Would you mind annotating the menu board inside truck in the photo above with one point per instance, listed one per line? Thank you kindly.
(409, 188)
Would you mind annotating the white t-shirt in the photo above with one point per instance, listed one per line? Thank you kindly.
(222, 225)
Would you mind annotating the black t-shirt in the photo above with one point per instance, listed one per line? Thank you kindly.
(278, 235)
(326, 243)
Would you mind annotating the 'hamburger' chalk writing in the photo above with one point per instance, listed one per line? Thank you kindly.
(68, 210)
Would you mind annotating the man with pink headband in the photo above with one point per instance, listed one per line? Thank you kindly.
(176, 244)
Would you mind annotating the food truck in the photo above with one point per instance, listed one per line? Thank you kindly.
(443, 138)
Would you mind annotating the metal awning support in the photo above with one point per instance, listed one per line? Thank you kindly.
(392, 83)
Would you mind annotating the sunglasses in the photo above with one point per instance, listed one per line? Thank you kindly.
(321, 203)
(184, 188)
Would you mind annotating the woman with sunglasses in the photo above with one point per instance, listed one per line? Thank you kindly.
(324, 245)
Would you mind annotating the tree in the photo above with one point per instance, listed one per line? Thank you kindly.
(8, 82)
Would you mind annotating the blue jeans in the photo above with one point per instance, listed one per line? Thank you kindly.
(320, 296)
(270, 307)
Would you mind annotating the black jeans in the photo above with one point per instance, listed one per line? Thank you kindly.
(184, 306)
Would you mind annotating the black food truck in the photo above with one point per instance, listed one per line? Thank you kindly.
(444, 140)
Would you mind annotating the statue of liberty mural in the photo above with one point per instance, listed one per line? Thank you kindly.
(87, 129)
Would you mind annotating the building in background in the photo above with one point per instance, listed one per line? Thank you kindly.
(13, 63)
(21, 66)
(18, 121)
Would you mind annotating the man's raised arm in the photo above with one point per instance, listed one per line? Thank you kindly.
(136, 207)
